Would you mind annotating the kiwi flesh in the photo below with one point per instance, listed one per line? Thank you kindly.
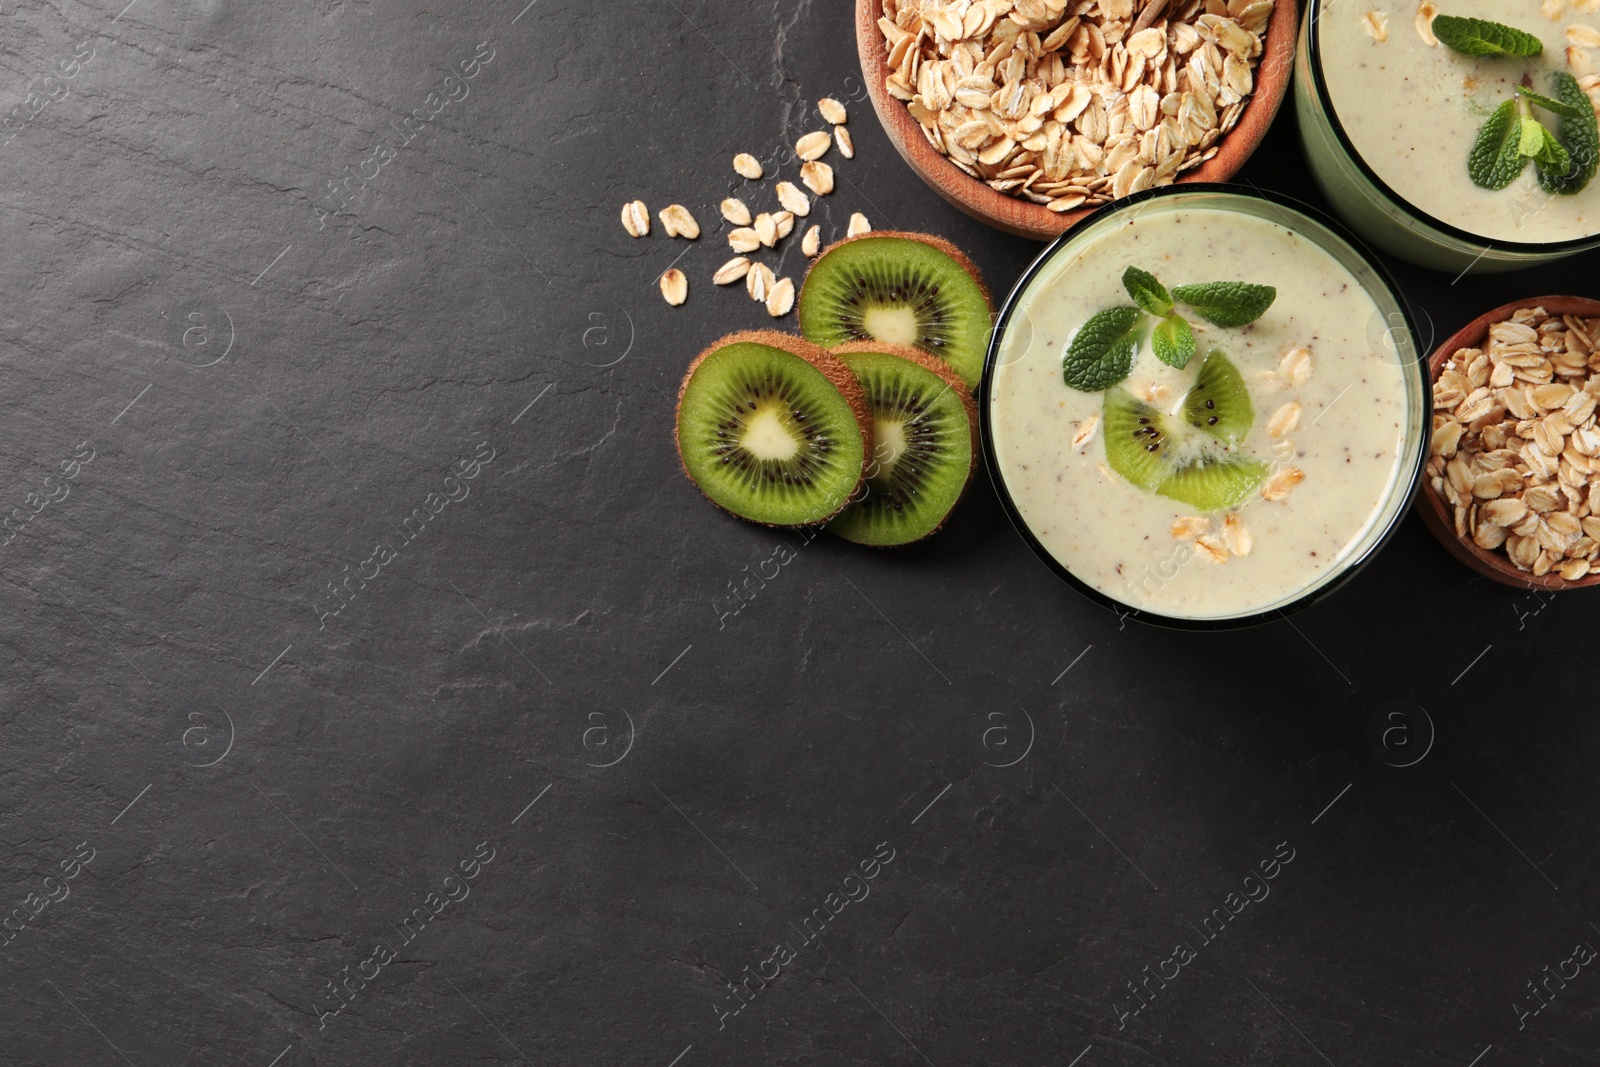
(773, 428)
(925, 444)
(1219, 402)
(1194, 457)
(908, 289)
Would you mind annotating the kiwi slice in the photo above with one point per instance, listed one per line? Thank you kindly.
(773, 428)
(1138, 441)
(1193, 457)
(909, 289)
(1219, 402)
(1213, 481)
(925, 444)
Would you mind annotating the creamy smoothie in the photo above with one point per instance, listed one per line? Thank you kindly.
(1412, 109)
(1358, 411)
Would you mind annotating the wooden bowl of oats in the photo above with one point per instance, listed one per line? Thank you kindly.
(1029, 114)
(1512, 483)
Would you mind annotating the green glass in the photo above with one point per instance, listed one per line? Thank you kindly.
(1391, 333)
(1370, 207)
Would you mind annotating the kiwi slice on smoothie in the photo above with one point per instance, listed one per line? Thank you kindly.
(773, 428)
(909, 289)
(925, 444)
(1191, 457)
(1219, 402)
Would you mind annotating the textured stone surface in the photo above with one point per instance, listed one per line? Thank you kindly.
(271, 385)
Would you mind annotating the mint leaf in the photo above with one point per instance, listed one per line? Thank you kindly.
(1531, 136)
(1480, 37)
(1496, 159)
(1173, 341)
(1227, 303)
(1101, 354)
(1552, 155)
(1147, 292)
(1555, 107)
(1579, 136)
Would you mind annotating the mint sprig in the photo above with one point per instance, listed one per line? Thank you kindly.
(1512, 136)
(1101, 354)
(1227, 303)
(1147, 292)
(1480, 37)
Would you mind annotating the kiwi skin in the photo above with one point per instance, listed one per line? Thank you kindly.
(958, 387)
(832, 368)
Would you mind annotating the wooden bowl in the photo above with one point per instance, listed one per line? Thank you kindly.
(1023, 217)
(1436, 512)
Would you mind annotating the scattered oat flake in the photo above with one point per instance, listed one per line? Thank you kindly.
(758, 282)
(675, 286)
(1237, 535)
(792, 199)
(780, 299)
(813, 145)
(832, 110)
(734, 211)
(811, 243)
(1282, 483)
(1085, 432)
(1376, 25)
(731, 271)
(784, 221)
(1424, 23)
(747, 166)
(1295, 369)
(1211, 548)
(744, 239)
(766, 228)
(817, 176)
(1284, 420)
(847, 147)
(1188, 527)
(636, 218)
(858, 225)
(1583, 35)
(677, 222)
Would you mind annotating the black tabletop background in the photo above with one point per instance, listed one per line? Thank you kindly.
(537, 793)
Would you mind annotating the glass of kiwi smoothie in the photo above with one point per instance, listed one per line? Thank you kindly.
(1204, 407)
(1390, 117)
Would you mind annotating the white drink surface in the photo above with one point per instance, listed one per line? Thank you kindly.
(1116, 537)
(1412, 111)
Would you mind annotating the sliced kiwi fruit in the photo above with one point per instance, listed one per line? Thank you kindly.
(1192, 457)
(1138, 442)
(925, 444)
(1219, 402)
(909, 289)
(1212, 481)
(773, 428)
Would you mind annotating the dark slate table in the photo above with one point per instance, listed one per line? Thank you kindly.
(530, 792)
